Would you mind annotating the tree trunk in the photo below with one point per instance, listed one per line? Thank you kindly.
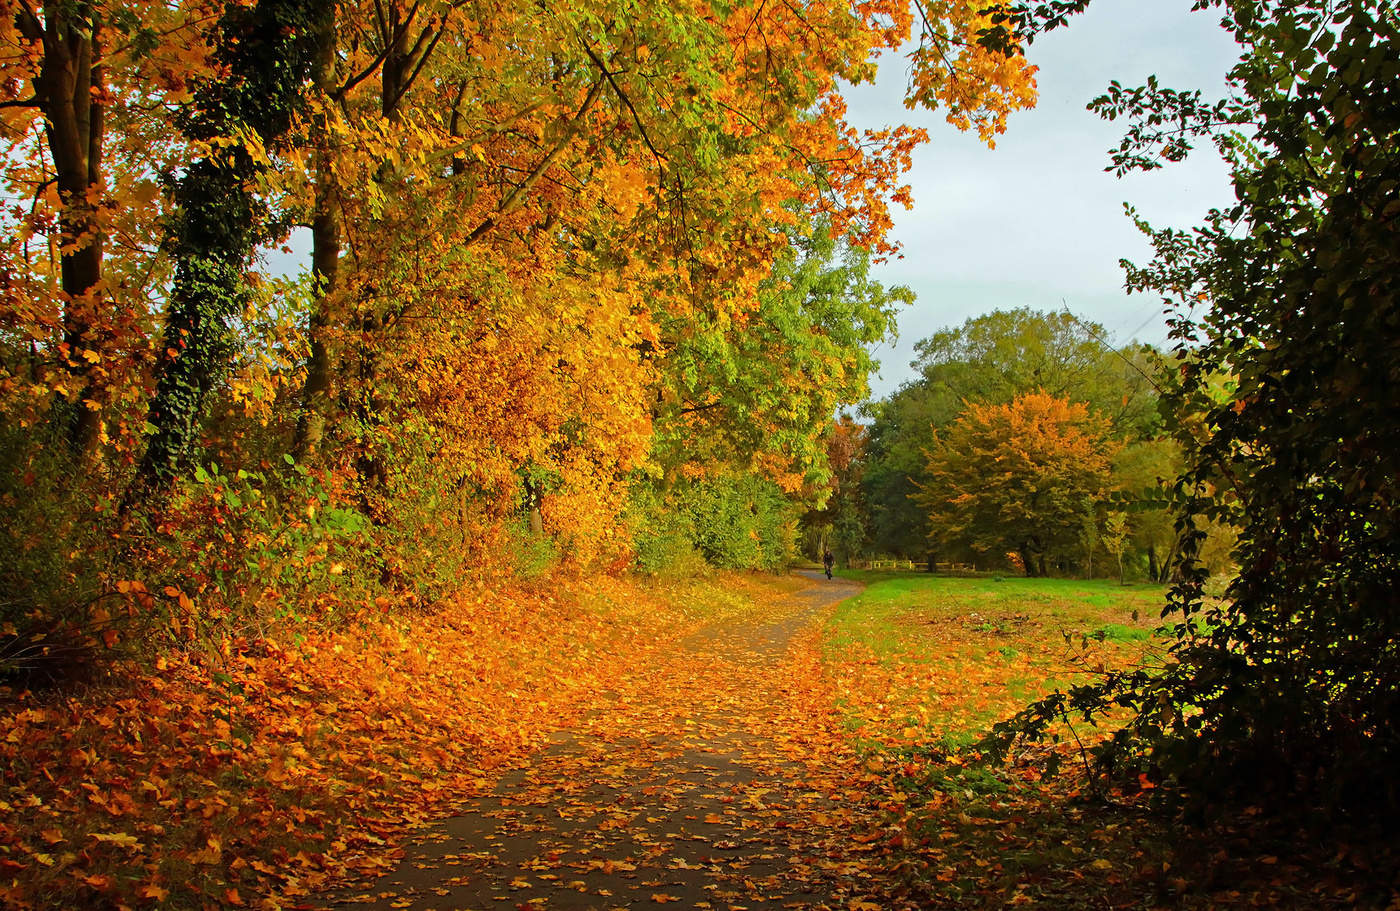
(403, 61)
(221, 222)
(325, 257)
(68, 90)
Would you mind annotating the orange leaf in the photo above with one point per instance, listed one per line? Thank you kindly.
(152, 891)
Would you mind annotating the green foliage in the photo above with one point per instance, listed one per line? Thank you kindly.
(1115, 537)
(842, 524)
(662, 542)
(1289, 687)
(991, 359)
(897, 437)
(1143, 474)
(730, 522)
(770, 385)
(49, 537)
(740, 522)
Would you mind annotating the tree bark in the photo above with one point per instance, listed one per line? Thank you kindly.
(325, 258)
(69, 90)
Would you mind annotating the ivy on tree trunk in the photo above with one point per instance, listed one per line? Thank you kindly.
(269, 50)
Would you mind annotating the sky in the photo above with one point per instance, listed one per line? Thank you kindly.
(1037, 222)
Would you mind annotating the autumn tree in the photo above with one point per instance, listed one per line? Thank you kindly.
(841, 521)
(84, 93)
(600, 175)
(992, 359)
(555, 249)
(1016, 478)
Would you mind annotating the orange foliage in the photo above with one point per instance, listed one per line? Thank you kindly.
(525, 255)
(90, 346)
(1019, 476)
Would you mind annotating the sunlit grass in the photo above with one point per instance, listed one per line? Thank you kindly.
(924, 658)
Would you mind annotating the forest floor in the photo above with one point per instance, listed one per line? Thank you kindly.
(810, 751)
(728, 743)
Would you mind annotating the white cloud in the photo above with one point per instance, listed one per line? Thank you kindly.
(1037, 222)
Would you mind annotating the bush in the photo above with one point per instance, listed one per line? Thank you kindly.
(741, 523)
(727, 522)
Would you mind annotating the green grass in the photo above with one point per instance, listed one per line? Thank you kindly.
(924, 665)
(1005, 607)
(961, 653)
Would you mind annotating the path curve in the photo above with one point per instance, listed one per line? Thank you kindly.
(720, 796)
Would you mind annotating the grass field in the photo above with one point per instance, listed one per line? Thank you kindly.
(942, 658)
(924, 665)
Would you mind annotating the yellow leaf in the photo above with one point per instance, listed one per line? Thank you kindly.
(116, 838)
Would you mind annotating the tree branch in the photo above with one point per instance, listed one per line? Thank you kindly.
(516, 196)
(622, 96)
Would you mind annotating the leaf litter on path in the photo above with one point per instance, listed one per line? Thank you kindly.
(715, 777)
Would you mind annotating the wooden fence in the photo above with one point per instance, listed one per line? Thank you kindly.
(912, 566)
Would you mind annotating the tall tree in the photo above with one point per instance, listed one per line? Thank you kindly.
(841, 523)
(94, 80)
(268, 50)
(69, 90)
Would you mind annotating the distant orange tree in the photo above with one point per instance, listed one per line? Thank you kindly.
(1016, 478)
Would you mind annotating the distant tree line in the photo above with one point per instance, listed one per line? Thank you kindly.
(1027, 442)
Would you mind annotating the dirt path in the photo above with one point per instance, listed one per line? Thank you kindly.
(730, 789)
